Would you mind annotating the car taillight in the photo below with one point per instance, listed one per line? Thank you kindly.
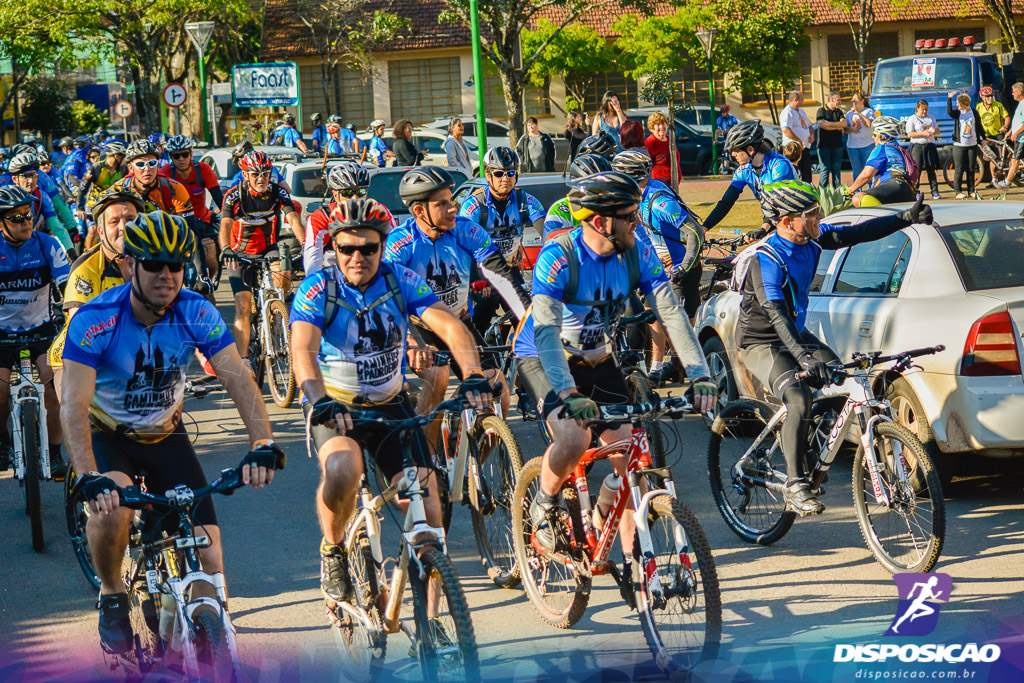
(991, 348)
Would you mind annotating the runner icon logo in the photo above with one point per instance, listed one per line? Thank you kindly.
(918, 610)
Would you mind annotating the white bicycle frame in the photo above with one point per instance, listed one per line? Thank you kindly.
(263, 295)
(25, 392)
(456, 467)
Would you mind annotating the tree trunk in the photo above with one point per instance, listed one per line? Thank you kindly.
(772, 109)
(512, 84)
(1002, 12)
(15, 84)
(326, 84)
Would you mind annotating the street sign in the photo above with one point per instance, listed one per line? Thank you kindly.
(175, 94)
(124, 109)
(261, 85)
(199, 32)
(221, 93)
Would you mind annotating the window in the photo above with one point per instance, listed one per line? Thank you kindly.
(428, 144)
(819, 275)
(693, 82)
(950, 73)
(353, 97)
(875, 267)
(384, 188)
(987, 255)
(616, 81)
(424, 89)
(844, 62)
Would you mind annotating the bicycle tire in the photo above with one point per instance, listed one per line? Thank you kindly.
(279, 361)
(33, 454)
(355, 641)
(145, 621)
(77, 518)
(440, 661)
(710, 289)
(870, 514)
(498, 473)
(577, 585)
(732, 434)
(694, 588)
(949, 171)
(212, 651)
(640, 389)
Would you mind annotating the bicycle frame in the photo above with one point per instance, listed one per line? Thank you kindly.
(24, 392)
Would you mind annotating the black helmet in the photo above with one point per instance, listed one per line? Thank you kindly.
(348, 177)
(588, 164)
(745, 134)
(350, 126)
(605, 194)
(116, 197)
(141, 148)
(12, 196)
(634, 163)
(601, 144)
(501, 159)
(360, 213)
(288, 119)
(315, 117)
(66, 142)
(83, 142)
(241, 149)
(159, 236)
(24, 161)
(334, 118)
(419, 184)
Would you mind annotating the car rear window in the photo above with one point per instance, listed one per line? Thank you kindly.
(384, 188)
(987, 255)
(547, 193)
(308, 183)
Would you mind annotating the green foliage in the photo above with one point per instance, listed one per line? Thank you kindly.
(48, 105)
(576, 54)
(87, 118)
(831, 199)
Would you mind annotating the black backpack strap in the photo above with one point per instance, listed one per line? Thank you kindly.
(485, 213)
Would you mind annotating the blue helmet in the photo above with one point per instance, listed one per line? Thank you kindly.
(156, 138)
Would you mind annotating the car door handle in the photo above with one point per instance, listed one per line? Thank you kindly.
(865, 327)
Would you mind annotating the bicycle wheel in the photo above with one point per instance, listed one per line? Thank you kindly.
(279, 355)
(212, 651)
(76, 516)
(907, 534)
(364, 649)
(259, 368)
(492, 523)
(640, 389)
(445, 640)
(683, 624)
(753, 512)
(33, 453)
(558, 591)
(145, 620)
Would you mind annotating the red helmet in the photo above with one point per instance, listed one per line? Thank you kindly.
(254, 162)
(724, 107)
(987, 91)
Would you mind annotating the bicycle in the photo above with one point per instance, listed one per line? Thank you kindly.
(30, 435)
(721, 265)
(445, 643)
(676, 570)
(999, 152)
(269, 336)
(893, 477)
(162, 571)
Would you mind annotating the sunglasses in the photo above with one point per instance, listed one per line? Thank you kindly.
(628, 217)
(259, 174)
(94, 157)
(20, 218)
(148, 163)
(157, 266)
(503, 174)
(28, 174)
(364, 249)
(181, 155)
(360, 192)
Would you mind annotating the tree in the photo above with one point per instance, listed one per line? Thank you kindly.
(502, 24)
(347, 31)
(1002, 12)
(578, 55)
(860, 17)
(87, 118)
(48, 105)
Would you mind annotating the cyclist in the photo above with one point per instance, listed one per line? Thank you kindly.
(30, 262)
(62, 149)
(97, 179)
(564, 345)
(772, 335)
(123, 397)
(357, 144)
(198, 178)
(46, 165)
(144, 179)
(238, 153)
(559, 218)
(441, 248)
(250, 225)
(24, 172)
(378, 149)
(77, 163)
(759, 165)
(288, 136)
(159, 141)
(995, 121)
(602, 144)
(319, 132)
(349, 328)
(504, 213)
(54, 192)
(335, 145)
(886, 167)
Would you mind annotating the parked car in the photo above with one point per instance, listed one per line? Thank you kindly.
(224, 166)
(959, 283)
(694, 145)
(429, 140)
(495, 129)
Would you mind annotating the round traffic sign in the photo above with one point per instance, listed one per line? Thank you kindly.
(124, 109)
(175, 94)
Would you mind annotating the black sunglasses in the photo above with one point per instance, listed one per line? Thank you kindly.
(361, 192)
(181, 155)
(364, 249)
(157, 266)
(20, 218)
(502, 174)
(628, 217)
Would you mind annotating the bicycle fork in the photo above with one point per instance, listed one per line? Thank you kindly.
(649, 564)
(28, 394)
(185, 612)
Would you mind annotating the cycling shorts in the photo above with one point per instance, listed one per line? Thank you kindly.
(165, 464)
(774, 366)
(488, 361)
(9, 353)
(604, 383)
(382, 443)
(205, 230)
(244, 277)
(892, 191)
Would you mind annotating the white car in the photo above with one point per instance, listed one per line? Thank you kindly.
(429, 140)
(224, 166)
(959, 283)
(496, 130)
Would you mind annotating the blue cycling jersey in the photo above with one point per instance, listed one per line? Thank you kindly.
(275, 177)
(140, 371)
(663, 222)
(348, 141)
(76, 165)
(288, 136)
(42, 205)
(361, 355)
(774, 168)
(26, 272)
(586, 329)
(335, 146)
(505, 228)
(319, 138)
(801, 262)
(885, 159)
(444, 263)
(378, 150)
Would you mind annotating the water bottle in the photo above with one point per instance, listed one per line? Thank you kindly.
(609, 490)
(286, 257)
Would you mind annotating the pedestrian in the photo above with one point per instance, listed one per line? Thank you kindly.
(575, 133)
(1016, 134)
(631, 135)
(536, 149)
(609, 118)
(796, 126)
(456, 148)
(658, 147)
(922, 129)
(724, 122)
(405, 152)
(966, 133)
(859, 140)
(995, 121)
(831, 126)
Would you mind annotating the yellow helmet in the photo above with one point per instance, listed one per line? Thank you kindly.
(159, 236)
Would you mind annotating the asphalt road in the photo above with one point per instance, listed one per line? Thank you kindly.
(784, 606)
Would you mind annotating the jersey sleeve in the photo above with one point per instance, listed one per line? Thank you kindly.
(652, 273)
(181, 200)
(60, 269)
(471, 208)
(285, 199)
(209, 330)
(476, 241)
(535, 208)
(877, 159)
(310, 301)
(89, 344)
(772, 278)
(740, 177)
(781, 169)
(209, 178)
(47, 206)
(230, 200)
(558, 218)
(83, 285)
(396, 247)
(417, 293)
(551, 274)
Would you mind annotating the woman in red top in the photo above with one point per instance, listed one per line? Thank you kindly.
(658, 147)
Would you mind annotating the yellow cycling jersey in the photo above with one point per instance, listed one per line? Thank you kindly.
(91, 275)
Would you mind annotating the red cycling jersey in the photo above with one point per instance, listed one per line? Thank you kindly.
(196, 186)
(256, 224)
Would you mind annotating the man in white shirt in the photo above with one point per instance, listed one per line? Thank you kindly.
(1016, 133)
(797, 126)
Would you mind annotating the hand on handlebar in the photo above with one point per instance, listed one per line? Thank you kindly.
(755, 235)
(99, 493)
(330, 413)
(705, 395)
(228, 258)
(579, 408)
(478, 391)
(816, 372)
(258, 465)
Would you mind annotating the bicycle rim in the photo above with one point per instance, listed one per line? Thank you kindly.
(682, 624)
(362, 649)
(445, 640)
(492, 523)
(753, 512)
(907, 534)
(256, 355)
(77, 519)
(33, 453)
(212, 651)
(279, 360)
(558, 592)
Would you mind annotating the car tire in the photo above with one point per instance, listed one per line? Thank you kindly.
(704, 166)
(908, 412)
(721, 375)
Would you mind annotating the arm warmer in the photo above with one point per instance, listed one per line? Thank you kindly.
(507, 282)
(547, 326)
(784, 326)
(666, 306)
(868, 231)
(66, 217)
(58, 230)
(723, 207)
(694, 239)
(217, 194)
(83, 190)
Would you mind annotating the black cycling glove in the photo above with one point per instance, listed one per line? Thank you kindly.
(228, 253)
(92, 485)
(818, 372)
(755, 235)
(324, 411)
(918, 213)
(479, 384)
(268, 455)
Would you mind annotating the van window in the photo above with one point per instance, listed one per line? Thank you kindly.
(951, 73)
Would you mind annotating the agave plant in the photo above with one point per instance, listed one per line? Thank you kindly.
(832, 199)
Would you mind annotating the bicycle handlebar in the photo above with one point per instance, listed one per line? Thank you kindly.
(867, 360)
(645, 317)
(361, 416)
(135, 498)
